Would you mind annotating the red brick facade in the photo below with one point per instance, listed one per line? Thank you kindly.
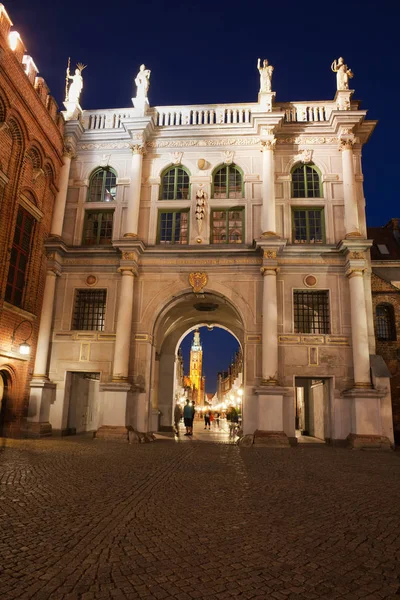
(31, 144)
(385, 292)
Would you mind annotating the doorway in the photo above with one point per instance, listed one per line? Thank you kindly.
(312, 409)
(83, 406)
(4, 401)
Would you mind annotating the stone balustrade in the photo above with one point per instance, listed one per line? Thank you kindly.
(306, 111)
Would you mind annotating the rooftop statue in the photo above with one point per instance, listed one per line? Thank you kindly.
(343, 74)
(73, 93)
(265, 75)
(142, 81)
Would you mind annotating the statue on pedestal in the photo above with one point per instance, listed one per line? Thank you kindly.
(265, 75)
(73, 93)
(142, 81)
(343, 74)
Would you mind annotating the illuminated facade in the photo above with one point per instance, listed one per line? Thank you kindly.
(195, 381)
(249, 216)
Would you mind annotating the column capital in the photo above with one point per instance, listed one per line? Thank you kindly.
(355, 272)
(69, 152)
(128, 270)
(138, 149)
(269, 270)
(346, 142)
(268, 145)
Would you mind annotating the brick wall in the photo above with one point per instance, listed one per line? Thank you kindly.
(31, 144)
(390, 350)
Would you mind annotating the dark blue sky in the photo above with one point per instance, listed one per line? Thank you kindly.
(207, 52)
(219, 347)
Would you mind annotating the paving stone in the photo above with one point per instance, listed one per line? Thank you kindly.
(180, 521)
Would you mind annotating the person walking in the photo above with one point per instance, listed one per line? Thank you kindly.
(216, 417)
(177, 417)
(193, 416)
(188, 414)
(207, 422)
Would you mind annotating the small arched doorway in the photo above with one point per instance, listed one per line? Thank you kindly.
(5, 385)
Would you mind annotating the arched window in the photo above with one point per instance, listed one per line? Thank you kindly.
(306, 182)
(102, 185)
(175, 184)
(385, 322)
(227, 182)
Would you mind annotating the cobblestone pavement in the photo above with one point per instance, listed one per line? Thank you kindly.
(84, 519)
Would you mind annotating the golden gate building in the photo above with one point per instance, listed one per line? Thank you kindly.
(245, 216)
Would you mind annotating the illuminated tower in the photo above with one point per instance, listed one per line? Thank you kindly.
(196, 366)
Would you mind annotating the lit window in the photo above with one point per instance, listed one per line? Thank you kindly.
(98, 228)
(175, 184)
(306, 182)
(102, 185)
(89, 310)
(311, 311)
(173, 227)
(227, 226)
(228, 182)
(308, 226)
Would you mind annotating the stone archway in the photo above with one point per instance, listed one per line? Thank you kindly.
(180, 316)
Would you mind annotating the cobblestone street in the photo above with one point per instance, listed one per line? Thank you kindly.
(83, 519)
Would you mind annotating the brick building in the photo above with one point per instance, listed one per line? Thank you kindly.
(385, 283)
(31, 147)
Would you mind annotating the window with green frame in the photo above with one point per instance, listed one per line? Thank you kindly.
(175, 184)
(228, 182)
(306, 182)
(308, 226)
(97, 229)
(102, 185)
(227, 226)
(173, 227)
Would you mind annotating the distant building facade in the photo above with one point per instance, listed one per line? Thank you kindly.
(31, 148)
(385, 255)
(194, 382)
(249, 216)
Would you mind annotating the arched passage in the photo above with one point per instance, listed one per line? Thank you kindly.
(5, 400)
(183, 314)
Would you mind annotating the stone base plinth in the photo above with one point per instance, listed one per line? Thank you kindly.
(271, 439)
(37, 429)
(116, 433)
(368, 442)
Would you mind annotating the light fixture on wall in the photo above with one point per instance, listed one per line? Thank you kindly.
(24, 348)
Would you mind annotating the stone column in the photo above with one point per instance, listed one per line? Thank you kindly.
(269, 328)
(61, 198)
(46, 317)
(124, 326)
(351, 220)
(359, 329)
(132, 217)
(268, 223)
(42, 392)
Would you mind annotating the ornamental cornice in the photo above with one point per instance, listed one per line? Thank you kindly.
(104, 146)
(243, 141)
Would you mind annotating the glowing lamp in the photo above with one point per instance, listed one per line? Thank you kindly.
(25, 348)
(13, 38)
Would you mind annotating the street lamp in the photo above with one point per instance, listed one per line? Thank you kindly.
(24, 348)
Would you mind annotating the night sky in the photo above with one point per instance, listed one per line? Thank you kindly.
(219, 347)
(206, 52)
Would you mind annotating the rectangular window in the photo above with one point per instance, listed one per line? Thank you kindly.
(98, 228)
(311, 311)
(227, 226)
(173, 227)
(308, 226)
(19, 257)
(89, 310)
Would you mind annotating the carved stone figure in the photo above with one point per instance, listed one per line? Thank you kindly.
(265, 75)
(75, 89)
(142, 81)
(200, 208)
(343, 73)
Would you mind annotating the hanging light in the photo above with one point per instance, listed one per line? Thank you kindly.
(24, 348)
